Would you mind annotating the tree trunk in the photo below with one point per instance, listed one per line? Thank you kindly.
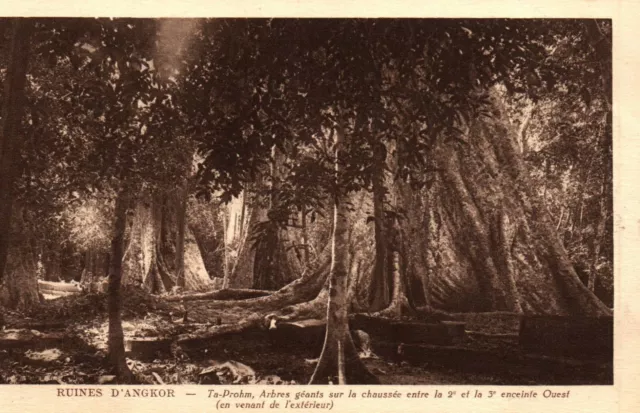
(156, 247)
(88, 267)
(94, 269)
(274, 264)
(476, 238)
(225, 251)
(265, 261)
(391, 247)
(272, 267)
(181, 223)
(597, 241)
(116, 335)
(305, 236)
(604, 204)
(20, 288)
(498, 248)
(339, 360)
(380, 287)
(12, 113)
(242, 273)
(204, 220)
(562, 211)
(399, 304)
(52, 270)
(522, 135)
(243, 210)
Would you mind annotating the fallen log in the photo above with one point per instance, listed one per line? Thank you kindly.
(312, 331)
(191, 339)
(59, 286)
(441, 333)
(568, 336)
(36, 325)
(52, 295)
(514, 336)
(226, 294)
(308, 334)
(29, 339)
(515, 365)
(147, 348)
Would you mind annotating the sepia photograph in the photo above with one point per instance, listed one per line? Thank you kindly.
(292, 201)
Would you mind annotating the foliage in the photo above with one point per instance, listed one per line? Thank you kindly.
(89, 225)
(129, 101)
(570, 143)
(258, 83)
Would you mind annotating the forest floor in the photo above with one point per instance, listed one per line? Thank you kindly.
(64, 342)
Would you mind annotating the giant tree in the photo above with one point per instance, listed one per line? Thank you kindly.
(119, 103)
(420, 95)
(10, 140)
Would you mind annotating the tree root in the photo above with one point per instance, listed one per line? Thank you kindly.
(398, 308)
(298, 291)
(125, 375)
(431, 314)
(224, 294)
(315, 308)
(339, 362)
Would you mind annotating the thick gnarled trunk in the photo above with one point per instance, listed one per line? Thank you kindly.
(380, 286)
(241, 275)
(161, 251)
(490, 243)
(20, 288)
(273, 267)
(266, 258)
(388, 287)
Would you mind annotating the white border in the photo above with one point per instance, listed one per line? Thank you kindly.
(622, 396)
